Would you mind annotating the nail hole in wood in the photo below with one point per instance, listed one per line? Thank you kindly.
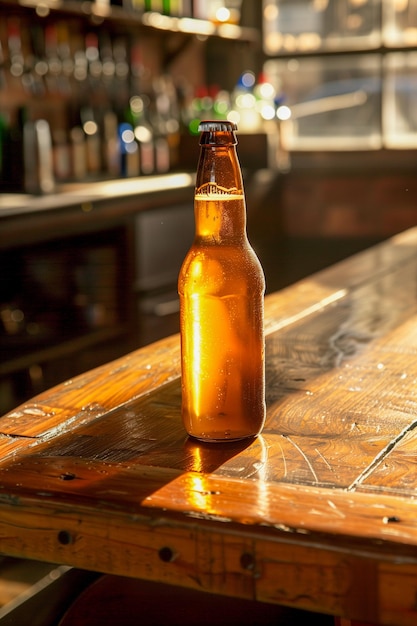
(64, 537)
(166, 555)
(247, 561)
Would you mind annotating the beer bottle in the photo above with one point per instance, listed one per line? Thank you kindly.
(221, 287)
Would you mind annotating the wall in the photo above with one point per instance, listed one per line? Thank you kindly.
(348, 205)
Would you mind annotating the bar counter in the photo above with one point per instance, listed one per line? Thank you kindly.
(319, 512)
(26, 218)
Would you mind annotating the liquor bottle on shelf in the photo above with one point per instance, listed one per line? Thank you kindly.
(91, 128)
(62, 155)
(200, 9)
(244, 103)
(129, 150)
(143, 132)
(38, 157)
(139, 112)
(78, 153)
(111, 145)
(137, 6)
(166, 124)
(12, 170)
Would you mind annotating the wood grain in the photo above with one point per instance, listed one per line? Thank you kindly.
(318, 512)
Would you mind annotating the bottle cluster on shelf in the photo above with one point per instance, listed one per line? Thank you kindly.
(218, 11)
(81, 102)
(253, 102)
(107, 114)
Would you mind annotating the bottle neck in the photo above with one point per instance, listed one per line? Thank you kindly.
(220, 211)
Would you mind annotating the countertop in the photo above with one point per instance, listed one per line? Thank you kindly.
(319, 512)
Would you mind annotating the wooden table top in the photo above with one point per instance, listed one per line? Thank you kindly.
(319, 512)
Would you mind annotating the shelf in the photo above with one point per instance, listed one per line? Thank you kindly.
(65, 348)
(305, 28)
(203, 28)
(85, 197)
(99, 12)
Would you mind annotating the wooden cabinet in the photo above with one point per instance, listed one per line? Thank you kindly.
(79, 275)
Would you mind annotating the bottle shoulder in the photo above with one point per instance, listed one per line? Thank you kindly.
(222, 268)
(225, 252)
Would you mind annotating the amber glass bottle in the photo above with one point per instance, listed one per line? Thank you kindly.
(221, 287)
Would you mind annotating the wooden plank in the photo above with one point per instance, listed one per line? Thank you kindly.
(90, 394)
(287, 565)
(333, 283)
(396, 472)
(149, 491)
(318, 512)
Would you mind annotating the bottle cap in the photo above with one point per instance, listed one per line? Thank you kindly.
(216, 125)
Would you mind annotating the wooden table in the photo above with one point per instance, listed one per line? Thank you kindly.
(319, 512)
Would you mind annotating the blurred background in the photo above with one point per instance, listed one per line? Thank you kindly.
(99, 108)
